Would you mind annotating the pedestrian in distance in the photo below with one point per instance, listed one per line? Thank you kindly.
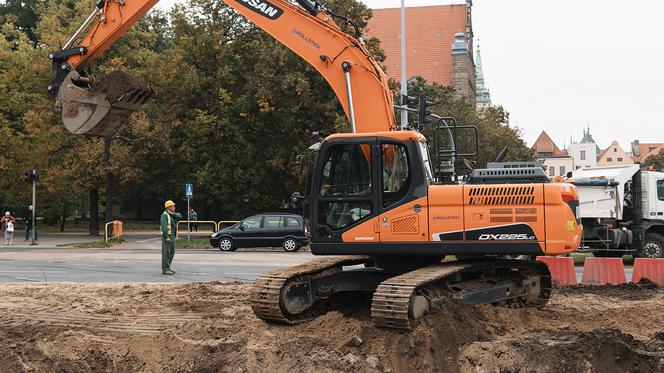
(7, 222)
(193, 217)
(28, 224)
(169, 220)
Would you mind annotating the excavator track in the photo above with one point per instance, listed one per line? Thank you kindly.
(392, 305)
(266, 295)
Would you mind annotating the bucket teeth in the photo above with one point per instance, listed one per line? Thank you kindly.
(102, 110)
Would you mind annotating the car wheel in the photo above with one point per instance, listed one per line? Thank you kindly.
(226, 244)
(290, 245)
(653, 247)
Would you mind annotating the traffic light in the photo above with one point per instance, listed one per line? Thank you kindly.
(423, 112)
(407, 100)
(31, 176)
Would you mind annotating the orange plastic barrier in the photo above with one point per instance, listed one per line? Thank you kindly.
(599, 271)
(652, 269)
(561, 268)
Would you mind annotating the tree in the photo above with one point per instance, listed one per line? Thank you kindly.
(493, 125)
(656, 161)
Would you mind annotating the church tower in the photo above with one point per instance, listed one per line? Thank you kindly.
(482, 96)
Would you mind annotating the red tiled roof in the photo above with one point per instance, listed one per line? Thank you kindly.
(429, 36)
(646, 150)
(544, 144)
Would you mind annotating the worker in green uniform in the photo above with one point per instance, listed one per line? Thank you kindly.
(168, 221)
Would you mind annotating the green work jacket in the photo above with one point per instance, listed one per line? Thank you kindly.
(168, 224)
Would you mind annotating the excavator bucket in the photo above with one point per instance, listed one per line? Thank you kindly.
(100, 108)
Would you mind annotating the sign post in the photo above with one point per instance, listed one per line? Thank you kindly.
(189, 191)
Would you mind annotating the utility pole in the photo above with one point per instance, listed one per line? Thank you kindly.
(32, 177)
(34, 206)
(404, 82)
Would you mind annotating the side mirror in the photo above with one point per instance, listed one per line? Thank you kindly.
(296, 197)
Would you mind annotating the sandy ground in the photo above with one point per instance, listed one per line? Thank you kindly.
(209, 327)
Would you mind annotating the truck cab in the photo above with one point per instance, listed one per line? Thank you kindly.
(622, 210)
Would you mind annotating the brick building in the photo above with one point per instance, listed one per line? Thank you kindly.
(439, 44)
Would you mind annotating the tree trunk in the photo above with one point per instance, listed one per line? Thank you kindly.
(65, 212)
(94, 211)
(108, 213)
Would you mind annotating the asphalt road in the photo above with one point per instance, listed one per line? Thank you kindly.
(138, 265)
(139, 260)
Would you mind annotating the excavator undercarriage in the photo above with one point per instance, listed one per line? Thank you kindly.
(399, 298)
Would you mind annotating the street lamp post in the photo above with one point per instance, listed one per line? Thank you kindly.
(404, 82)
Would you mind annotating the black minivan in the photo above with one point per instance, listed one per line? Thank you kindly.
(264, 230)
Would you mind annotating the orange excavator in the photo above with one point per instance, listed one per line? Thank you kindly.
(386, 212)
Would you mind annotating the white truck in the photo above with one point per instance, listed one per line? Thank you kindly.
(622, 210)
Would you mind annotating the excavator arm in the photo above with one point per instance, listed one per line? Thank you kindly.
(308, 30)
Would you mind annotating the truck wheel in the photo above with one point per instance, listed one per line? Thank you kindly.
(653, 247)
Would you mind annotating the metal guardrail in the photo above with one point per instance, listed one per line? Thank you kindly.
(215, 226)
(117, 230)
(226, 222)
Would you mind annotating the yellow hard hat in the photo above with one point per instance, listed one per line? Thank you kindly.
(169, 203)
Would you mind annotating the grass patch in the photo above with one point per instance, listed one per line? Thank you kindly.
(195, 243)
(96, 244)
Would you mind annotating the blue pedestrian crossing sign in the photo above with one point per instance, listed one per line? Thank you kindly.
(189, 188)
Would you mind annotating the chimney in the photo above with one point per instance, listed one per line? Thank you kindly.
(463, 69)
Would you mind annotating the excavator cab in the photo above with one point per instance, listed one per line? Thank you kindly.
(100, 108)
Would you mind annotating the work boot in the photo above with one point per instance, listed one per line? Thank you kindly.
(168, 272)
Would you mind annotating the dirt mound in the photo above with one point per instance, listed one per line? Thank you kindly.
(117, 83)
(563, 351)
(209, 327)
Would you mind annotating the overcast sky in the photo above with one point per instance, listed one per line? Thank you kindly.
(560, 65)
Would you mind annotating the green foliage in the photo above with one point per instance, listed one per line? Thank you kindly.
(493, 124)
(656, 161)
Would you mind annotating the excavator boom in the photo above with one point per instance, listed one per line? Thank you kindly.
(309, 31)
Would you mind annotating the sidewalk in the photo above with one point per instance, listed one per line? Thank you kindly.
(50, 240)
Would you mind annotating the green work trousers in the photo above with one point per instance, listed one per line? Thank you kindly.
(167, 254)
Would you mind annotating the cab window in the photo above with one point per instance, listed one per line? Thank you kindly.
(395, 173)
(660, 190)
(347, 171)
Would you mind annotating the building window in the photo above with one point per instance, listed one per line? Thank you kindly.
(583, 155)
(545, 154)
(552, 171)
(609, 159)
(615, 150)
(578, 167)
(619, 159)
(562, 170)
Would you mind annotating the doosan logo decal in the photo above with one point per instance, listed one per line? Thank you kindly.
(262, 7)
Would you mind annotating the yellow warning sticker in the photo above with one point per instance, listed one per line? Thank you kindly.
(570, 225)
